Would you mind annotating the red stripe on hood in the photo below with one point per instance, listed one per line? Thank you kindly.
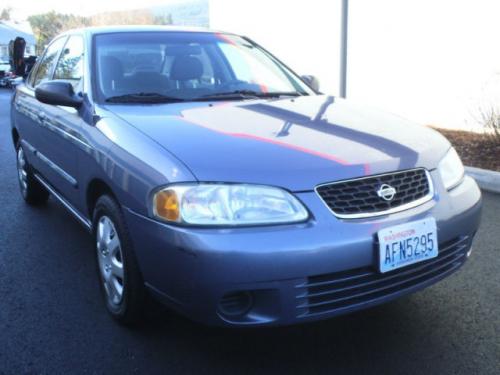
(367, 169)
(291, 146)
(272, 141)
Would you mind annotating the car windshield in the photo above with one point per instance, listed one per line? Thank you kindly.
(159, 67)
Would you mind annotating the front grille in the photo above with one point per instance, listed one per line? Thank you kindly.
(359, 198)
(335, 292)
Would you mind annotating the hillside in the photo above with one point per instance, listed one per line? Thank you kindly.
(187, 13)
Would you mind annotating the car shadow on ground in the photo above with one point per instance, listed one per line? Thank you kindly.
(364, 340)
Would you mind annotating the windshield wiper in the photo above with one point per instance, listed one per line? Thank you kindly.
(143, 97)
(246, 94)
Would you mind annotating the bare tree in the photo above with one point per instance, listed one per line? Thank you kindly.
(490, 119)
(47, 25)
(135, 17)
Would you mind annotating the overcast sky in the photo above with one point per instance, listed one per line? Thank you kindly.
(25, 8)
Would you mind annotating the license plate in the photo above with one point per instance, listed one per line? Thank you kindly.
(405, 244)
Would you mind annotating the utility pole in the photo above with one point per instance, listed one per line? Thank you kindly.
(344, 25)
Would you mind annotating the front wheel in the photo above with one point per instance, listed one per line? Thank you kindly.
(32, 191)
(121, 282)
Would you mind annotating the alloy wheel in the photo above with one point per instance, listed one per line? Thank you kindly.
(110, 261)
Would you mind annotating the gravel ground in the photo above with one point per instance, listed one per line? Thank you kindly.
(52, 320)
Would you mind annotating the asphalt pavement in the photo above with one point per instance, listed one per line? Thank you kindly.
(52, 320)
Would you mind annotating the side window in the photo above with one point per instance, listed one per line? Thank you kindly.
(70, 65)
(32, 75)
(44, 70)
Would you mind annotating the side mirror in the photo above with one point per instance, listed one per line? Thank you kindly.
(312, 82)
(58, 93)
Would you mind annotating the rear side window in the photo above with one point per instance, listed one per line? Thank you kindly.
(46, 66)
(70, 65)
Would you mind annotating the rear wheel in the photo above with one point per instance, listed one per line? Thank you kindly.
(31, 190)
(121, 282)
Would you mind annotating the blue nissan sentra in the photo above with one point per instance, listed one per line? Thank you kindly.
(217, 180)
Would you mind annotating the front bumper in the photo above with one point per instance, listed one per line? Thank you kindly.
(301, 272)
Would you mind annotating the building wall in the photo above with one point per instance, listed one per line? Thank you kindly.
(435, 62)
(305, 35)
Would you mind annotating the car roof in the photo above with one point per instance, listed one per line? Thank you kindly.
(94, 30)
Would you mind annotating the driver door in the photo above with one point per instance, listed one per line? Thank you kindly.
(61, 125)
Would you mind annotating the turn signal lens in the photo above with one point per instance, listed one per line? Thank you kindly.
(166, 205)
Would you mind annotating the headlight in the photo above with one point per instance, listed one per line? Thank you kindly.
(451, 169)
(226, 204)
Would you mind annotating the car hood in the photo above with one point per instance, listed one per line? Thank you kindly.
(293, 143)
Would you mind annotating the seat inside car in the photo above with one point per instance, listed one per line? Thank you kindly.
(147, 81)
(186, 69)
(183, 81)
(112, 75)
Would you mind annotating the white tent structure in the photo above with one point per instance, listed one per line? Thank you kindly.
(9, 31)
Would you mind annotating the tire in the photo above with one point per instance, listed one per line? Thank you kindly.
(32, 191)
(122, 285)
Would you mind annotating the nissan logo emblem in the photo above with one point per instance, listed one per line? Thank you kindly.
(386, 192)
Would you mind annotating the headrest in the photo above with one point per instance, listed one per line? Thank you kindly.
(111, 67)
(185, 68)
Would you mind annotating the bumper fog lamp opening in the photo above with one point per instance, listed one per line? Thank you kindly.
(235, 304)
